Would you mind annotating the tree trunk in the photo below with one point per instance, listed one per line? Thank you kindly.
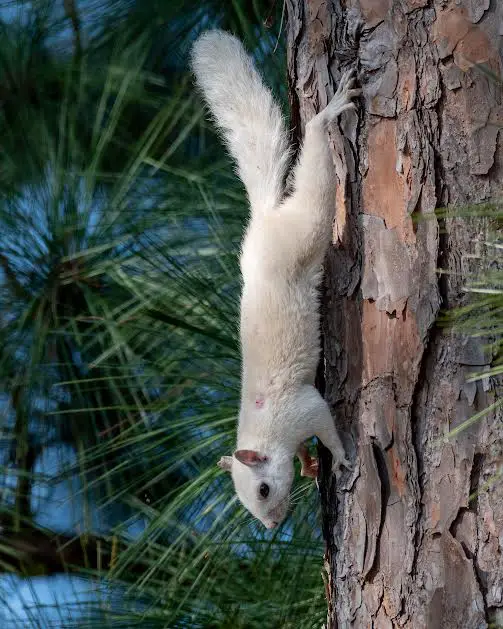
(406, 547)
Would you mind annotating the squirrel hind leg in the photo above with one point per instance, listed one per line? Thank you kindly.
(342, 100)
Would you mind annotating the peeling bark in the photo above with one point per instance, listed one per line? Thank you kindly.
(406, 546)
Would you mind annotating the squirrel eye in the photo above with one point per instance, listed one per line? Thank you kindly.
(264, 490)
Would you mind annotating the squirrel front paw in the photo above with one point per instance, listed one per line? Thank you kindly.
(309, 464)
(310, 468)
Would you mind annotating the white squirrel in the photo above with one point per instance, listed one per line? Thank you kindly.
(281, 264)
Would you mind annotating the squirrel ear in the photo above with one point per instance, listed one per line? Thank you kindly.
(225, 463)
(250, 457)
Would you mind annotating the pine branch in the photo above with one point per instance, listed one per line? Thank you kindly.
(72, 14)
(32, 551)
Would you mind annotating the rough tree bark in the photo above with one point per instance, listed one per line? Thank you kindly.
(405, 545)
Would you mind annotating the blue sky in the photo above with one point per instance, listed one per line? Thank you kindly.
(59, 506)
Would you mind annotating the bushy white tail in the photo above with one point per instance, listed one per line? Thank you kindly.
(245, 111)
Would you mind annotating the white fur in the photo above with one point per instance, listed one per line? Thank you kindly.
(281, 260)
(245, 111)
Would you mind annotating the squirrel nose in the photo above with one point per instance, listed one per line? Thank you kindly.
(272, 525)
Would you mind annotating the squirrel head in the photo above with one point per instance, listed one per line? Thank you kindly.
(262, 482)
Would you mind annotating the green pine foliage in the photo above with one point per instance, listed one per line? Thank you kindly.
(480, 315)
(120, 222)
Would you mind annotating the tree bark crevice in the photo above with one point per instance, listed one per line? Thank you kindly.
(405, 545)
